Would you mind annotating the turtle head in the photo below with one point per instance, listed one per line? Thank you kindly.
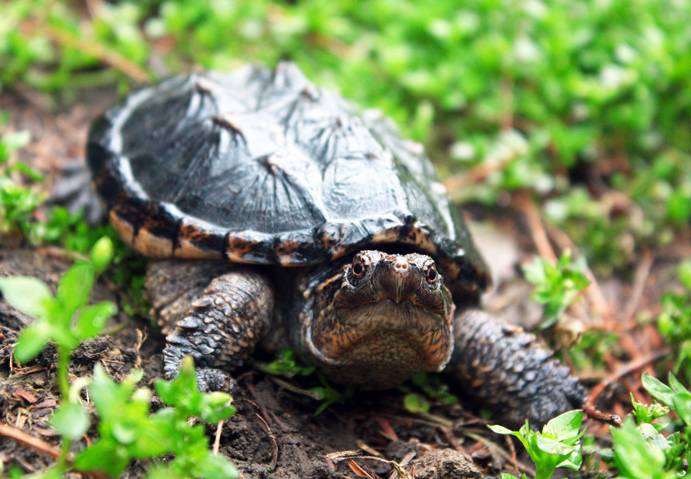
(380, 320)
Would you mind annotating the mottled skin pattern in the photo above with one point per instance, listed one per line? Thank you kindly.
(501, 367)
(371, 323)
(218, 325)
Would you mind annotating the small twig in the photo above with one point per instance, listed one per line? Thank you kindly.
(404, 462)
(590, 405)
(358, 470)
(368, 449)
(29, 441)
(512, 450)
(348, 455)
(385, 429)
(60, 253)
(493, 446)
(90, 47)
(217, 438)
(641, 277)
(537, 230)
(292, 388)
(141, 337)
(476, 174)
(274, 443)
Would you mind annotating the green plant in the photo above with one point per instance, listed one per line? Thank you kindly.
(66, 320)
(17, 202)
(558, 445)
(287, 365)
(674, 322)
(127, 429)
(641, 449)
(556, 286)
(423, 389)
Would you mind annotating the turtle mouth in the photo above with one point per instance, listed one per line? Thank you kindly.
(381, 344)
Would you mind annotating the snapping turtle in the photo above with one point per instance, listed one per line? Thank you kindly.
(283, 216)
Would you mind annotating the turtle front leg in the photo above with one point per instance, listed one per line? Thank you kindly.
(501, 367)
(213, 312)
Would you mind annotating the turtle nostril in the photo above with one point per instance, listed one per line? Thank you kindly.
(401, 265)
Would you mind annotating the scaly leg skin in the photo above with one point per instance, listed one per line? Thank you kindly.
(213, 312)
(502, 368)
(74, 191)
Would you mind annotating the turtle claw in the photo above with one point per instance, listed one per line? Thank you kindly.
(73, 191)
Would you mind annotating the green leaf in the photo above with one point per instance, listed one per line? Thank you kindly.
(501, 430)
(286, 365)
(658, 389)
(682, 406)
(106, 395)
(74, 287)
(646, 413)
(415, 403)
(684, 274)
(93, 318)
(216, 407)
(32, 340)
(102, 254)
(566, 426)
(215, 466)
(92, 458)
(70, 420)
(159, 471)
(28, 295)
(182, 392)
(635, 457)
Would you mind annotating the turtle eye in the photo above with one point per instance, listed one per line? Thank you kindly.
(359, 267)
(431, 274)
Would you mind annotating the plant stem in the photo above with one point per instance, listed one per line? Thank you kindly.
(63, 376)
(543, 471)
(64, 372)
(64, 454)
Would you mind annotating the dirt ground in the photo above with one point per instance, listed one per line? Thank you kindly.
(275, 433)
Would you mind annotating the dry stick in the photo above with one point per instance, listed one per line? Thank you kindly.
(358, 470)
(141, 337)
(641, 277)
(274, 443)
(537, 231)
(347, 455)
(512, 450)
(590, 405)
(495, 447)
(29, 441)
(109, 57)
(475, 174)
(217, 438)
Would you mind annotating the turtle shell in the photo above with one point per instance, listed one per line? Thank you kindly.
(260, 166)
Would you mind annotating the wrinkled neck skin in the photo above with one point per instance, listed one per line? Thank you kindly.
(375, 322)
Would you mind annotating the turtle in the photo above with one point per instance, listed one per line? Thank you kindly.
(278, 214)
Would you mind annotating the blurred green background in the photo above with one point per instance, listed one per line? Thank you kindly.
(585, 104)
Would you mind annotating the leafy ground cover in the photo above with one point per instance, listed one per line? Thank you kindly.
(564, 124)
